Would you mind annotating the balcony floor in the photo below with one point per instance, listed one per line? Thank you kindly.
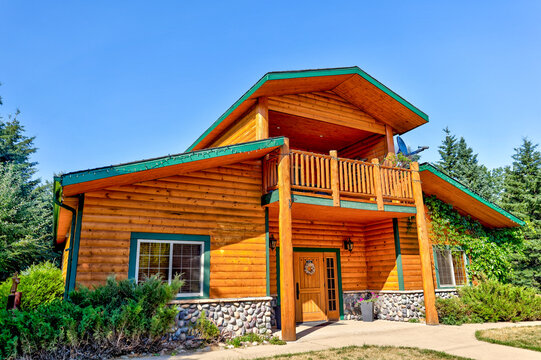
(321, 208)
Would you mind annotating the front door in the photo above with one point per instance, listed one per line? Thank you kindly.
(316, 291)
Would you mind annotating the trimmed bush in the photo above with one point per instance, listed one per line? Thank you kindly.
(117, 318)
(40, 284)
(490, 301)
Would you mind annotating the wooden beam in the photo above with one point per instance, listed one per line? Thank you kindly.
(377, 184)
(262, 118)
(389, 138)
(287, 286)
(335, 187)
(424, 248)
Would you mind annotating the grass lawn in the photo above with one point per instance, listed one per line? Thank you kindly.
(369, 352)
(527, 337)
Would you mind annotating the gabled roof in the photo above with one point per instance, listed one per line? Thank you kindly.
(351, 83)
(79, 182)
(465, 201)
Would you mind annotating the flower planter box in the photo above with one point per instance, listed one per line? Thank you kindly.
(367, 310)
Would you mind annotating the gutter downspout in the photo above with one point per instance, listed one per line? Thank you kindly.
(72, 234)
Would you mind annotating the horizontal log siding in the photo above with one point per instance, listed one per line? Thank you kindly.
(411, 259)
(327, 235)
(242, 130)
(222, 202)
(373, 147)
(380, 256)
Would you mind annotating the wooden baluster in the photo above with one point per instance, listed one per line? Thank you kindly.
(377, 184)
(328, 173)
(363, 180)
(335, 181)
(312, 170)
(302, 169)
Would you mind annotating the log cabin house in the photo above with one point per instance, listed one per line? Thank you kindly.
(283, 201)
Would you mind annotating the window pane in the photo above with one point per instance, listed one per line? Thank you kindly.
(153, 260)
(444, 267)
(458, 266)
(187, 263)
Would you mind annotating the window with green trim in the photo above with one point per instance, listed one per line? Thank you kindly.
(168, 258)
(451, 267)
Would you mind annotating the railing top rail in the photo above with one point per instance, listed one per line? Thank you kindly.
(356, 161)
(394, 168)
(309, 153)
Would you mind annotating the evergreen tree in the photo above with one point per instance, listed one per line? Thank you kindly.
(522, 196)
(25, 204)
(448, 152)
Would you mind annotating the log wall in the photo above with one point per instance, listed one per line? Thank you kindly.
(222, 202)
(242, 130)
(381, 256)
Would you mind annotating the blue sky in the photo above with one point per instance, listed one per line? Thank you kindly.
(105, 82)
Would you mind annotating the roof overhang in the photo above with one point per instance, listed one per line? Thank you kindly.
(351, 83)
(79, 182)
(437, 183)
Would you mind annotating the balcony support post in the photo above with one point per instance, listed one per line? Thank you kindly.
(335, 179)
(287, 286)
(424, 248)
(262, 118)
(377, 185)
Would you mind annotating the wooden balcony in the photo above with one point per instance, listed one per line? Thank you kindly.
(339, 178)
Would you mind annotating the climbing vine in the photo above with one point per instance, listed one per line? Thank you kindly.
(490, 250)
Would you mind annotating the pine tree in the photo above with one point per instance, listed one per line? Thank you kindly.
(25, 204)
(522, 196)
(448, 152)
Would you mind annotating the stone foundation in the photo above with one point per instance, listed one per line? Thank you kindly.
(391, 305)
(240, 316)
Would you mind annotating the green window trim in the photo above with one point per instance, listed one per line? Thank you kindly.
(338, 270)
(205, 239)
(436, 266)
(398, 254)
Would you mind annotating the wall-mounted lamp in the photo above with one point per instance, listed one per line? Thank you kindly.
(348, 244)
(272, 242)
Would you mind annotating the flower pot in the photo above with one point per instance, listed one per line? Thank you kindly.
(367, 310)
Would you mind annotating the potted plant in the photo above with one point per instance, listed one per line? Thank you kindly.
(367, 307)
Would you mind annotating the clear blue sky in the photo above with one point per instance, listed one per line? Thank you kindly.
(105, 82)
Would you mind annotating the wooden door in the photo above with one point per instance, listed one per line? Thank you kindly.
(310, 299)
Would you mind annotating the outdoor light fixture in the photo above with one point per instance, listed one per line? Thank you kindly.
(348, 244)
(272, 242)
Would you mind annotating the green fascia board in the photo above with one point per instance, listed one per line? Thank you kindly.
(128, 168)
(439, 173)
(313, 200)
(282, 75)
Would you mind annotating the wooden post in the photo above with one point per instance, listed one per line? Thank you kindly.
(389, 138)
(335, 185)
(377, 184)
(262, 118)
(287, 281)
(424, 248)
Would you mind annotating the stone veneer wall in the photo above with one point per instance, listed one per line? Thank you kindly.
(392, 305)
(240, 316)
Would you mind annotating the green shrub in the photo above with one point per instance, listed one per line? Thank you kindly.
(114, 319)
(206, 329)
(40, 284)
(490, 301)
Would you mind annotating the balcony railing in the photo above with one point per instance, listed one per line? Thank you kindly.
(330, 176)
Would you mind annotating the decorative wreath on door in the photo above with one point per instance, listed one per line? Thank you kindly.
(309, 267)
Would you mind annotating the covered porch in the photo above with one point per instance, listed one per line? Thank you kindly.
(344, 233)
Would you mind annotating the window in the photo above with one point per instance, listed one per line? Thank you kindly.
(450, 267)
(168, 255)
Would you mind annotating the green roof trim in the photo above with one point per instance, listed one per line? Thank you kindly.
(128, 168)
(282, 75)
(434, 170)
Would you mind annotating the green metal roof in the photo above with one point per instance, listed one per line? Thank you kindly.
(434, 170)
(169, 160)
(281, 75)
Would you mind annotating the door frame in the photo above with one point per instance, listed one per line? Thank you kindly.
(309, 249)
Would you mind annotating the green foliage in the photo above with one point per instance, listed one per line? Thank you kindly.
(491, 250)
(206, 329)
(490, 301)
(522, 196)
(413, 320)
(275, 340)
(116, 318)
(40, 284)
(252, 337)
(25, 204)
